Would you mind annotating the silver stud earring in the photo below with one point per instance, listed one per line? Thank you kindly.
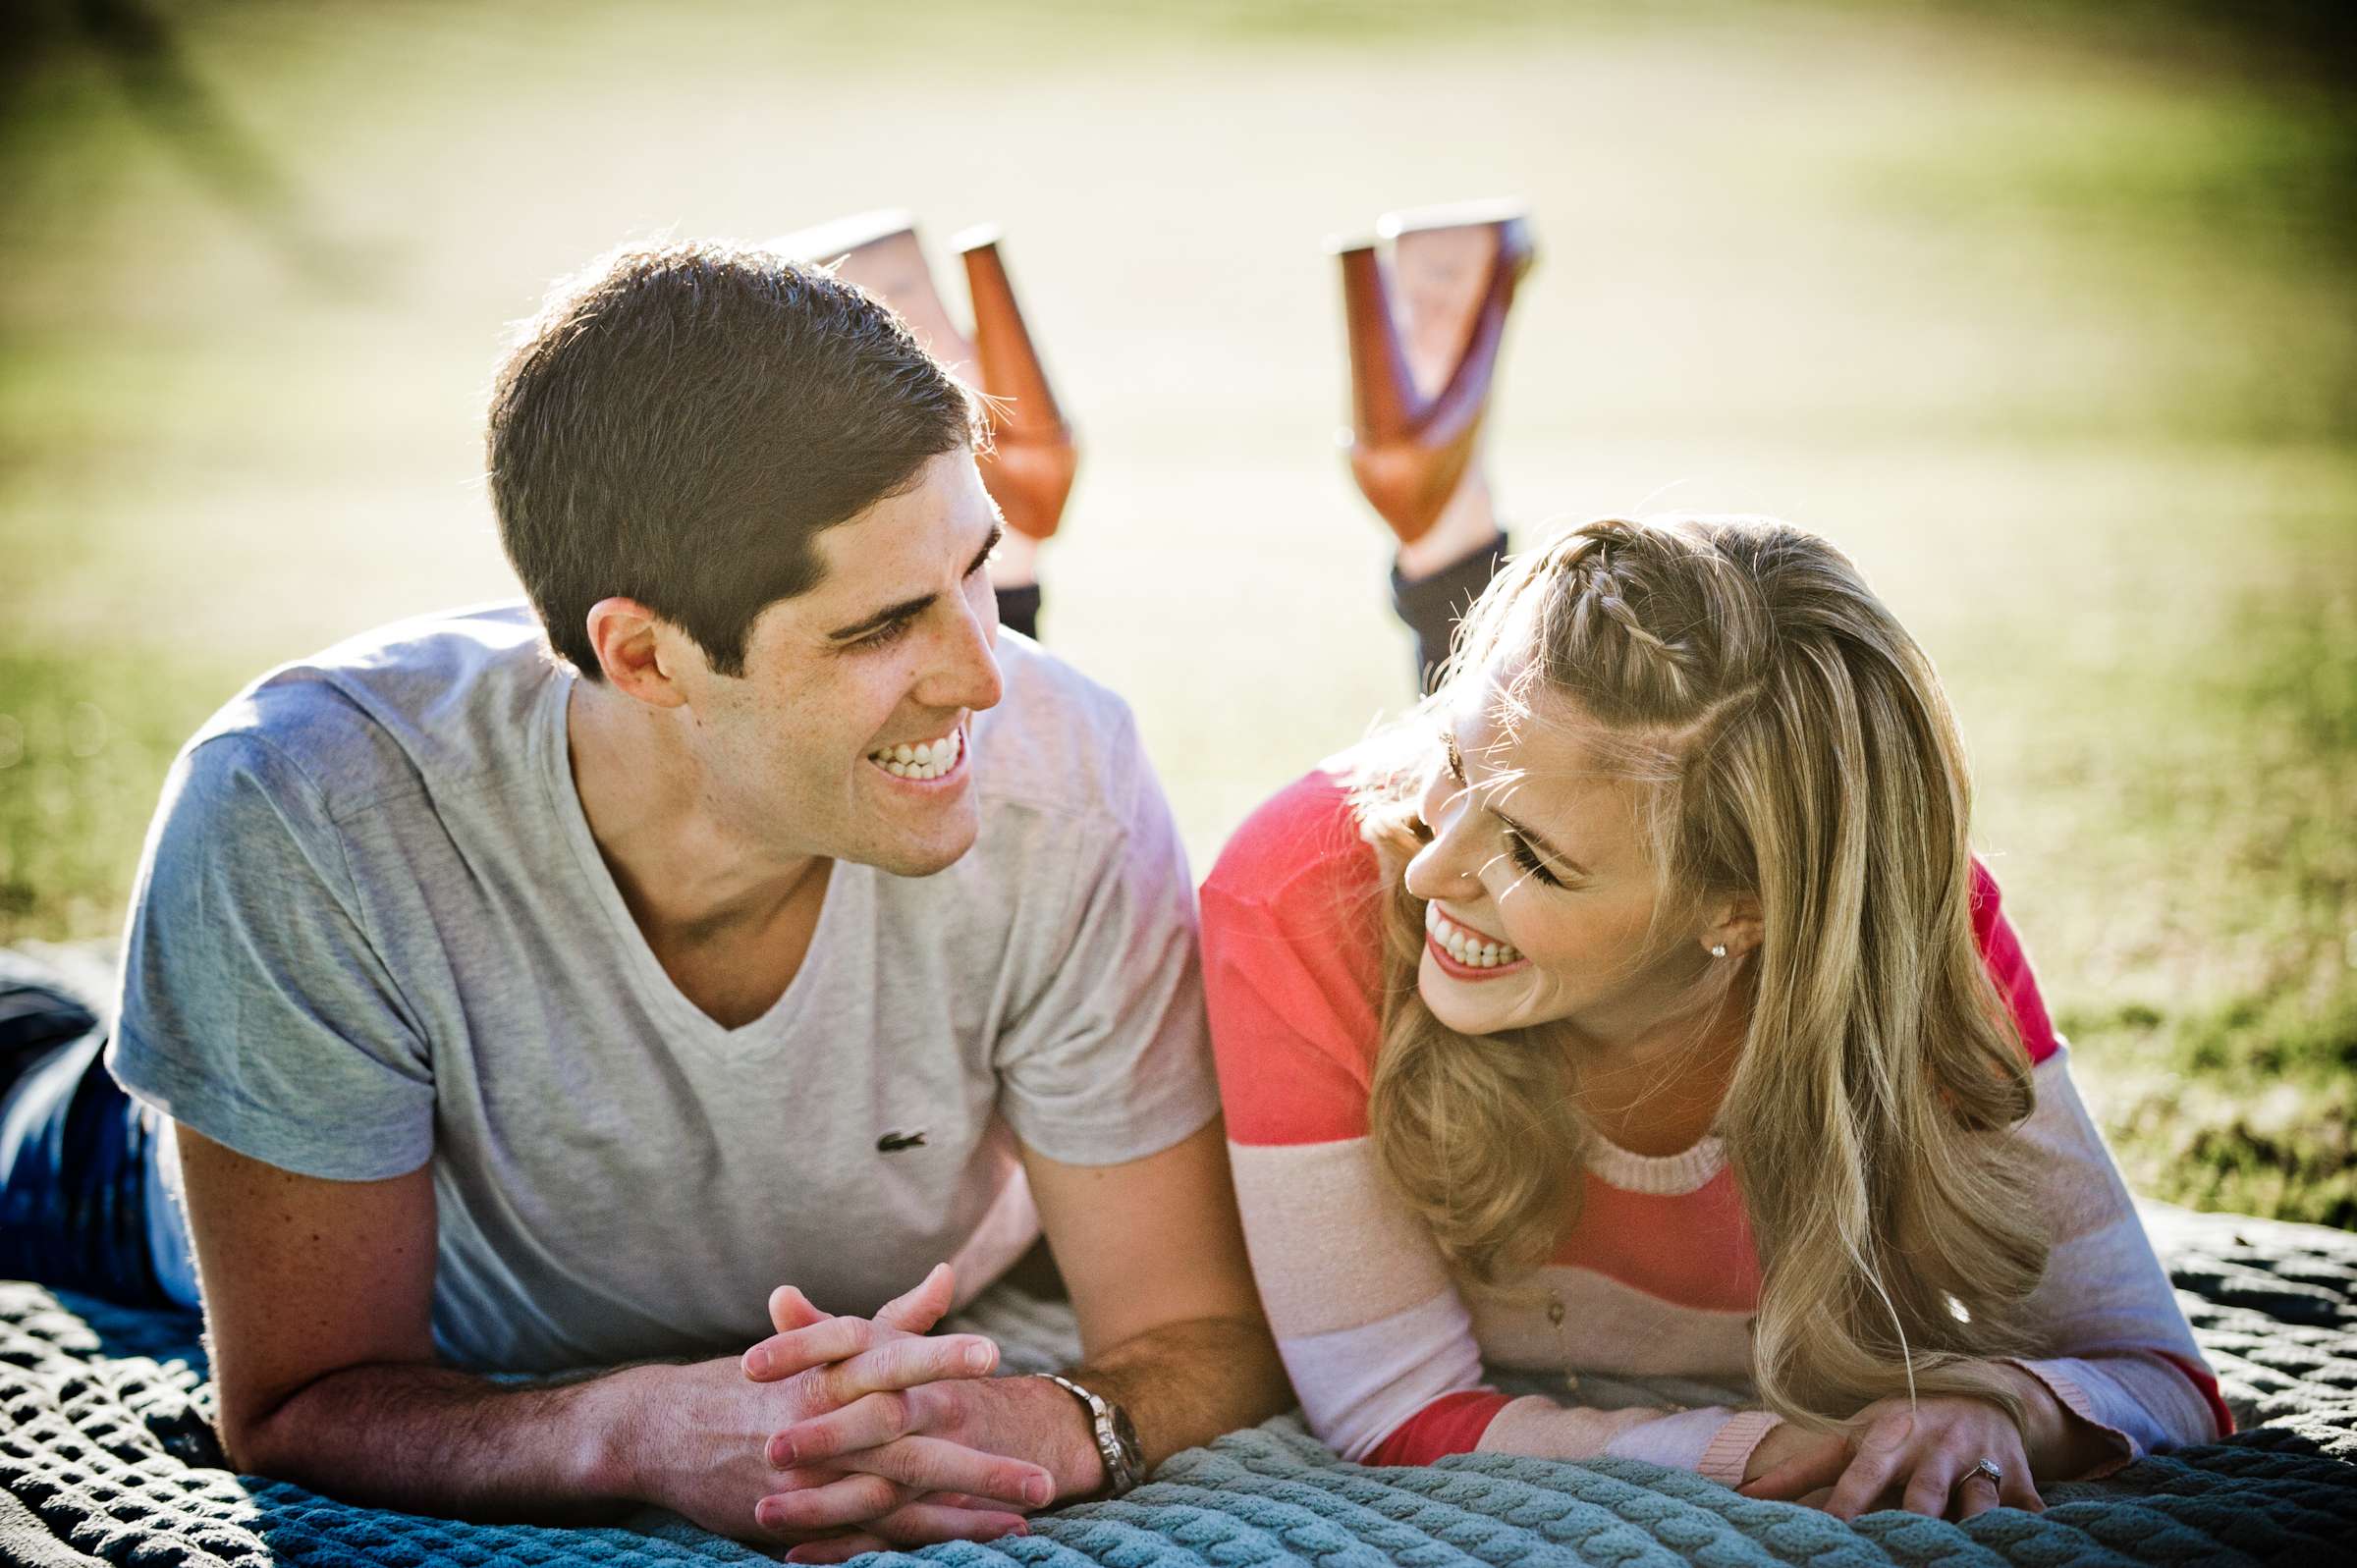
(1719, 951)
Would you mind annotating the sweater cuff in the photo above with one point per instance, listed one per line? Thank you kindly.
(1714, 1441)
(2074, 1399)
(1728, 1454)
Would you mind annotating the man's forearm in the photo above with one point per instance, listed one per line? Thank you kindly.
(1186, 1384)
(1182, 1384)
(434, 1441)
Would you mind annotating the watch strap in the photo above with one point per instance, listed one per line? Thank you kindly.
(1105, 1427)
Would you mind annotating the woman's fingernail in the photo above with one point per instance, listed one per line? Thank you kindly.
(1039, 1491)
(977, 1358)
(780, 1452)
(756, 1364)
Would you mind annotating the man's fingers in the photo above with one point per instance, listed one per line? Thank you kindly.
(789, 1309)
(832, 1506)
(927, 1465)
(932, 1463)
(921, 1309)
(1880, 1451)
(867, 1422)
(907, 1363)
(797, 1350)
(927, 1521)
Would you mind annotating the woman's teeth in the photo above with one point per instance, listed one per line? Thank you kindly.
(927, 759)
(1468, 948)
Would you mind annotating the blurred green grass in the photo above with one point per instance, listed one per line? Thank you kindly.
(2043, 313)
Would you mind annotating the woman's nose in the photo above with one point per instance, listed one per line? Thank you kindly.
(1449, 866)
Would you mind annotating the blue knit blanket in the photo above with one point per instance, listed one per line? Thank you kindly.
(107, 1455)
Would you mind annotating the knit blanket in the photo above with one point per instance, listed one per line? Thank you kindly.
(108, 1456)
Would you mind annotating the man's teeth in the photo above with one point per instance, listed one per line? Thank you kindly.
(1468, 948)
(927, 759)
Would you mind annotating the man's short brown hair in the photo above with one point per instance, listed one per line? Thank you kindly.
(678, 427)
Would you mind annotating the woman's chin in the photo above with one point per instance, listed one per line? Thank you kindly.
(1471, 1008)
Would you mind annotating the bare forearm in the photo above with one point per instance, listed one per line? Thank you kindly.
(430, 1440)
(1183, 1384)
(1187, 1383)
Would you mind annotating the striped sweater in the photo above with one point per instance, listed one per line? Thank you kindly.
(1656, 1278)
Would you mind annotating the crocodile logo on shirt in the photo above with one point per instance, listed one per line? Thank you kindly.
(891, 1143)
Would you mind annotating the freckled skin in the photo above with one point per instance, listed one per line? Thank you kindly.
(782, 750)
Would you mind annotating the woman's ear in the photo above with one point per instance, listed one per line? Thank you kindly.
(1732, 923)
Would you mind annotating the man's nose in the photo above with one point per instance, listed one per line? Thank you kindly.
(966, 670)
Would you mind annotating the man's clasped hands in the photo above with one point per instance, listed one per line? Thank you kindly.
(844, 1434)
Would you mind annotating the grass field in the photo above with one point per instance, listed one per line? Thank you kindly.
(2052, 330)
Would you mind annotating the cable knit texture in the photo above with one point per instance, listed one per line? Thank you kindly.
(106, 1456)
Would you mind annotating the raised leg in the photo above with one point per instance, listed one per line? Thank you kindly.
(1425, 330)
(1030, 467)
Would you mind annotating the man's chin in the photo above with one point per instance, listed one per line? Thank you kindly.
(927, 857)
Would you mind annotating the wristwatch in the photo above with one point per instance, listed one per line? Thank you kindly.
(1116, 1438)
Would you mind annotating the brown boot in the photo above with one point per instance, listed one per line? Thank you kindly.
(1424, 345)
(1029, 470)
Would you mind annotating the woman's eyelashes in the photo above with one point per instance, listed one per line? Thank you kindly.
(1519, 850)
(1527, 857)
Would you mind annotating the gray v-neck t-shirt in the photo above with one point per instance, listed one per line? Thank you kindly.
(373, 930)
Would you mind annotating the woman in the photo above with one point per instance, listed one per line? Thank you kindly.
(1637, 1010)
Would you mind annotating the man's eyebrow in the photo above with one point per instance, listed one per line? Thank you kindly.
(909, 608)
(998, 531)
(883, 618)
(1541, 844)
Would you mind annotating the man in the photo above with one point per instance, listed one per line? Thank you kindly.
(788, 927)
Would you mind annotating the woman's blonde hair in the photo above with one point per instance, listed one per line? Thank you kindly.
(1789, 740)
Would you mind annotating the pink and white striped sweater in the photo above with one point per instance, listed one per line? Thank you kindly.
(1657, 1277)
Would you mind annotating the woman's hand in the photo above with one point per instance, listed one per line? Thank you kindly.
(1926, 1454)
(1793, 1461)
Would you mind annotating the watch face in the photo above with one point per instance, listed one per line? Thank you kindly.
(1124, 1433)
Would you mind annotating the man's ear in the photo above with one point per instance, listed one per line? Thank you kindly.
(638, 650)
(1733, 923)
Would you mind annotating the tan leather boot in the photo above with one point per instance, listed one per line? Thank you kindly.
(1033, 458)
(1424, 343)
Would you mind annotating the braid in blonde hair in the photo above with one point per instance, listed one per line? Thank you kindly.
(1792, 743)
